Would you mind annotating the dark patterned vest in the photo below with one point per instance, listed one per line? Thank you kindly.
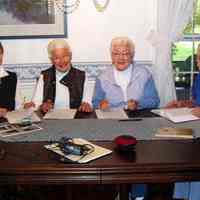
(8, 90)
(74, 80)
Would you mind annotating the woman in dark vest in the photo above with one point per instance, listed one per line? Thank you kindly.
(62, 85)
(8, 84)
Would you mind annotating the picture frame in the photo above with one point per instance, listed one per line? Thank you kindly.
(24, 19)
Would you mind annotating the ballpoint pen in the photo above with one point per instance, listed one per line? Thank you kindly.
(131, 119)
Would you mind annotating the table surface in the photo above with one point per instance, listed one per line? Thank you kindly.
(26, 161)
(88, 127)
(152, 161)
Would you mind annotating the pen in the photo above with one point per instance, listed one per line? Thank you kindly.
(127, 120)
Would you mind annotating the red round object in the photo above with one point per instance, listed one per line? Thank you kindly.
(125, 143)
(125, 140)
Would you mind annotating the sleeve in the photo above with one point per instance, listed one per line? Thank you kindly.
(38, 92)
(98, 95)
(150, 98)
(19, 99)
(194, 89)
(88, 90)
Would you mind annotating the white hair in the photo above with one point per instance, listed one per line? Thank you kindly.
(57, 44)
(122, 41)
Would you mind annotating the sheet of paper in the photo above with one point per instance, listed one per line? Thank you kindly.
(111, 114)
(60, 114)
(8, 130)
(18, 116)
(176, 114)
(97, 153)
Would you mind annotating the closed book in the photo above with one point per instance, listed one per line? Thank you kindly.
(171, 132)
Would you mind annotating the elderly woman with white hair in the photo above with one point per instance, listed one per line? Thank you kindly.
(126, 84)
(61, 85)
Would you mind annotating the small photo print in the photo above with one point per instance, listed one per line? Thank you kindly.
(12, 130)
(9, 133)
(32, 127)
(3, 128)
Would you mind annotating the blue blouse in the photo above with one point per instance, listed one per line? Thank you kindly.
(190, 190)
(196, 91)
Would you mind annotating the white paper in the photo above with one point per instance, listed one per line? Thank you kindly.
(18, 116)
(111, 114)
(60, 114)
(97, 153)
(176, 114)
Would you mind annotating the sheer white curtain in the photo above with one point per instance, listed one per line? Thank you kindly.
(172, 16)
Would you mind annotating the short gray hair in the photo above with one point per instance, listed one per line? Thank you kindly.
(122, 41)
(58, 44)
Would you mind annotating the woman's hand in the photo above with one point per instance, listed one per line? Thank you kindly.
(3, 112)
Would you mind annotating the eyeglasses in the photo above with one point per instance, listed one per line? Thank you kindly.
(118, 54)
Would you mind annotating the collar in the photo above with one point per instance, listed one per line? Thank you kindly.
(111, 76)
(125, 72)
(3, 72)
(60, 74)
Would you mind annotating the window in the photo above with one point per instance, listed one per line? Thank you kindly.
(184, 56)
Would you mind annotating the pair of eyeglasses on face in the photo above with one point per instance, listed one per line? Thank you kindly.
(118, 54)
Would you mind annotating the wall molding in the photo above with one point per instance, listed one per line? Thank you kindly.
(28, 72)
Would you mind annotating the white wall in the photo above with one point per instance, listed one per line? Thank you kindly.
(90, 33)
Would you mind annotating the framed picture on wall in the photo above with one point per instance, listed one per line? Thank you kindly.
(32, 19)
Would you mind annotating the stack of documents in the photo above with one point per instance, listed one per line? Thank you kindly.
(60, 114)
(111, 114)
(176, 114)
(18, 116)
(97, 153)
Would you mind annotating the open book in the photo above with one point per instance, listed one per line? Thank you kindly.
(176, 114)
(171, 132)
(96, 153)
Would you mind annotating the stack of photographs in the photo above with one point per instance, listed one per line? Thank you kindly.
(7, 129)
